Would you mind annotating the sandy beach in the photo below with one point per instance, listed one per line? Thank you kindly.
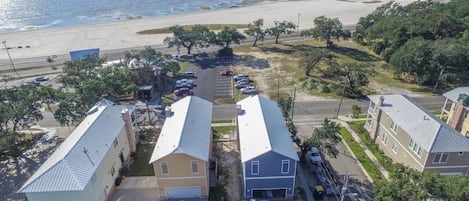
(123, 34)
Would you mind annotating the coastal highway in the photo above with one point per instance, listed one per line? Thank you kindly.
(40, 65)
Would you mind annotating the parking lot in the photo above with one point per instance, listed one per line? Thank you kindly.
(209, 84)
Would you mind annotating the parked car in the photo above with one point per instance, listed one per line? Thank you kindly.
(41, 79)
(183, 92)
(249, 90)
(314, 156)
(226, 73)
(240, 76)
(241, 85)
(188, 74)
(184, 83)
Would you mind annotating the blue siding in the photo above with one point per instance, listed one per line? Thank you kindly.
(270, 166)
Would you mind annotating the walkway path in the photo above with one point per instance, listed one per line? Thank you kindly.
(342, 120)
(303, 182)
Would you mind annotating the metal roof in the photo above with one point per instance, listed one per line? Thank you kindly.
(453, 95)
(261, 129)
(69, 168)
(188, 130)
(427, 130)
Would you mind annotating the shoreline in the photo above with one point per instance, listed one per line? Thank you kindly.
(123, 34)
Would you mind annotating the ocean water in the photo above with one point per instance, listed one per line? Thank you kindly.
(16, 15)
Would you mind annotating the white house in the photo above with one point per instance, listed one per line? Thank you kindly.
(85, 166)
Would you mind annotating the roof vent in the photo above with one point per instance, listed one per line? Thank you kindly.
(425, 117)
(168, 112)
(239, 110)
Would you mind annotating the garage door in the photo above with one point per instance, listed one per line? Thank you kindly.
(183, 192)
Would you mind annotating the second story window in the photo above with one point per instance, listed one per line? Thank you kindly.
(394, 127)
(255, 167)
(285, 166)
(164, 168)
(440, 158)
(195, 168)
(385, 138)
(415, 147)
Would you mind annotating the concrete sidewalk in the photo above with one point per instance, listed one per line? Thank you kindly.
(342, 120)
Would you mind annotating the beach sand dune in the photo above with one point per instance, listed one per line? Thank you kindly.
(123, 34)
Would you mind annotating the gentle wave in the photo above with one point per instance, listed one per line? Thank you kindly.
(40, 14)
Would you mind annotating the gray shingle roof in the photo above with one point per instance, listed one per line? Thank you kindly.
(262, 129)
(69, 168)
(426, 129)
(453, 95)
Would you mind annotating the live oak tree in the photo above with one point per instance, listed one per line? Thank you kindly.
(326, 29)
(313, 57)
(227, 36)
(354, 76)
(196, 36)
(255, 30)
(279, 28)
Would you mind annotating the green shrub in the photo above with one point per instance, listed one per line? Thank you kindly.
(325, 89)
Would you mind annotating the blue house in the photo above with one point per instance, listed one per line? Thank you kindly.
(267, 154)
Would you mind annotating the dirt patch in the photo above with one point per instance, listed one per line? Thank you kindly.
(229, 169)
(268, 79)
(385, 89)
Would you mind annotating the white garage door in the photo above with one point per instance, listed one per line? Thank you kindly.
(183, 192)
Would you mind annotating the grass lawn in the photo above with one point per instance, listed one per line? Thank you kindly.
(286, 59)
(222, 121)
(223, 101)
(140, 166)
(220, 131)
(385, 161)
(366, 162)
(212, 27)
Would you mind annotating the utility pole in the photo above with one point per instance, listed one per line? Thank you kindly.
(342, 96)
(298, 25)
(344, 188)
(278, 85)
(293, 102)
(4, 42)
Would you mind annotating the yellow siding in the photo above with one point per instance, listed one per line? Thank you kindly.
(180, 173)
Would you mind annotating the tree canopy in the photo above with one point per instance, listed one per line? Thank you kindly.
(425, 39)
(279, 28)
(227, 36)
(255, 30)
(197, 36)
(326, 29)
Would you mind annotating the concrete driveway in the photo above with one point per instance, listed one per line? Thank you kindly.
(136, 189)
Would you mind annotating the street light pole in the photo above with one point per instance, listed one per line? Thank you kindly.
(4, 42)
(342, 97)
(298, 24)
(293, 102)
(278, 85)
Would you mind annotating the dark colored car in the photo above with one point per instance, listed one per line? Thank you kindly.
(226, 73)
(188, 74)
(183, 92)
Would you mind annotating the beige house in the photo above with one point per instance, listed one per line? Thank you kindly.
(85, 166)
(181, 157)
(456, 109)
(409, 134)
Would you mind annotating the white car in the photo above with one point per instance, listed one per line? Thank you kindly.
(314, 156)
(249, 90)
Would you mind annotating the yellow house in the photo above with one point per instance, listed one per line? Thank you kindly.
(181, 155)
(456, 108)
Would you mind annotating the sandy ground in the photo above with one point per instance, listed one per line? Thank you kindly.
(115, 35)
